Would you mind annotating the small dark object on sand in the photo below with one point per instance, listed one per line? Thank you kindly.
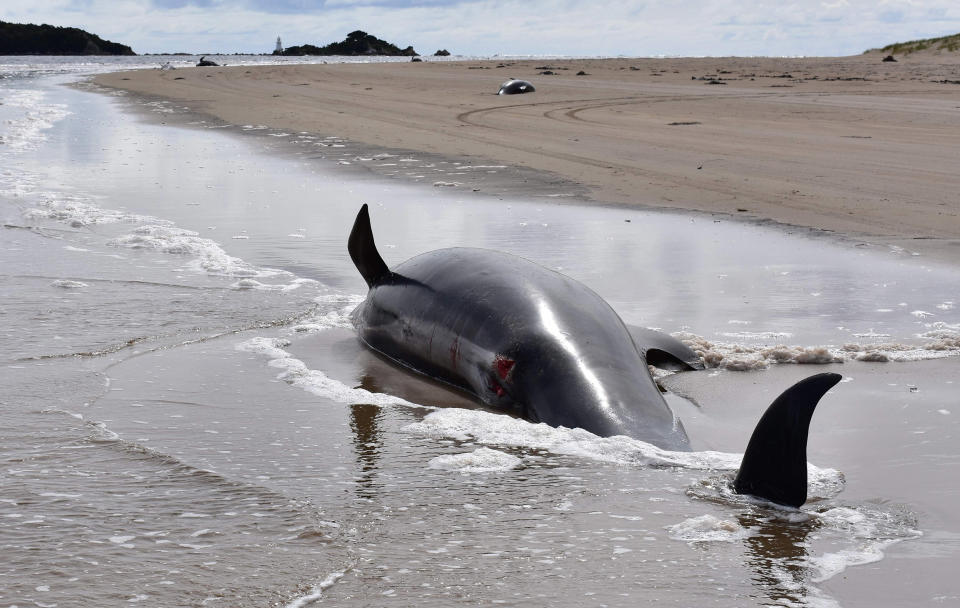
(548, 73)
(715, 81)
(515, 87)
(206, 62)
(889, 58)
(582, 73)
(415, 59)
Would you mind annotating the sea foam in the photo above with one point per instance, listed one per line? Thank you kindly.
(207, 256)
(296, 373)
(26, 129)
(481, 460)
(940, 340)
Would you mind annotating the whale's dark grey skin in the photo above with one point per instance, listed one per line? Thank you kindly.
(206, 62)
(775, 463)
(524, 338)
(515, 87)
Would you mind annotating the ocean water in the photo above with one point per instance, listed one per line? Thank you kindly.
(188, 419)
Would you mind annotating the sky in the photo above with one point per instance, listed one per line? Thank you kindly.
(633, 28)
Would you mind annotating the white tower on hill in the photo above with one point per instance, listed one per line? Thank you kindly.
(279, 48)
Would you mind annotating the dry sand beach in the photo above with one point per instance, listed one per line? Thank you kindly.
(851, 145)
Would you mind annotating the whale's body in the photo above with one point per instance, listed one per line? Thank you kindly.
(524, 338)
(518, 337)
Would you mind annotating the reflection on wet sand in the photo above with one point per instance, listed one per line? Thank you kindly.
(776, 552)
(368, 444)
(378, 374)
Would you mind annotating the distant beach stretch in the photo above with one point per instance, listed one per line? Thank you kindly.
(853, 145)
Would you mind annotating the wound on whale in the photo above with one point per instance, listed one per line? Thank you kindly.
(526, 339)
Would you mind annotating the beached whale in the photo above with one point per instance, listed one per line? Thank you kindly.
(515, 87)
(526, 339)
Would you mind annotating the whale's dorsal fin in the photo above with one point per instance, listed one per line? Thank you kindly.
(664, 351)
(774, 466)
(363, 250)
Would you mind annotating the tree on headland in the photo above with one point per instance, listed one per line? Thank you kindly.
(356, 43)
(30, 39)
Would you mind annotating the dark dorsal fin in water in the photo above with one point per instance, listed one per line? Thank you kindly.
(664, 351)
(774, 466)
(363, 250)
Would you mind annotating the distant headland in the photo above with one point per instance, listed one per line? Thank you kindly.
(356, 43)
(29, 39)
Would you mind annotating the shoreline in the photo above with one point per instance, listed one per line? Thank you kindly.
(846, 146)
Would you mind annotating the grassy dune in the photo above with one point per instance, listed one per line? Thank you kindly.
(948, 44)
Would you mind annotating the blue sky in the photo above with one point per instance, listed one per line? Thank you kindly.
(486, 27)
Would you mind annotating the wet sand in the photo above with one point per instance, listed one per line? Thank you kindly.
(850, 145)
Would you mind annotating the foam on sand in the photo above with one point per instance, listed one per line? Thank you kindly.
(500, 430)
(870, 527)
(203, 255)
(257, 285)
(836, 538)
(707, 528)
(34, 116)
(941, 340)
(317, 591)
(295, 372)
(481, 460)
(77, 211)
(67, 284)
(207, 255)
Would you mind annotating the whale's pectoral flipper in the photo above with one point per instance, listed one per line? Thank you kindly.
(774, 466)
(664, 351)
(363, 250)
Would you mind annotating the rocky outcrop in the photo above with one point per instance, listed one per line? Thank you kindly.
(356, 43)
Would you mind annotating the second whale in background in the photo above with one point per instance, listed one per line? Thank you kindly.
(515, 87)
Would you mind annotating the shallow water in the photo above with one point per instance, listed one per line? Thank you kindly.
(188, 420)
